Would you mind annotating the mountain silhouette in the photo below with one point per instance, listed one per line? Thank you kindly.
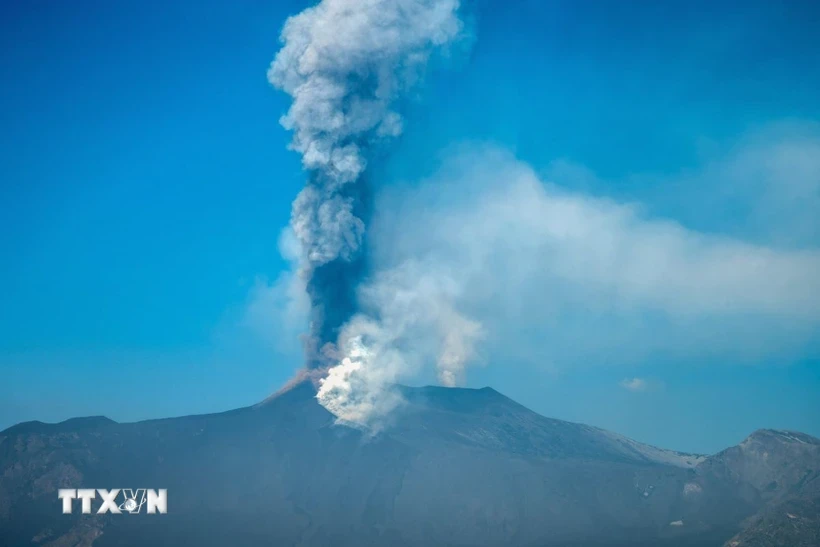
(452, 466)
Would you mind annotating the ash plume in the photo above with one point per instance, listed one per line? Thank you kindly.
(345, 63)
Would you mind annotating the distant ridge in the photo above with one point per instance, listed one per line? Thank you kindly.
(72, 424)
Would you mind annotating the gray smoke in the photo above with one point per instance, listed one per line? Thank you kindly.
(345, 63)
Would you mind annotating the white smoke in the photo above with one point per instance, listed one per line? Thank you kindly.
(344, 63)
(410, 319)
(561, 279)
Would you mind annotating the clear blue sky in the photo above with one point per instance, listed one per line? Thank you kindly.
(144, 180)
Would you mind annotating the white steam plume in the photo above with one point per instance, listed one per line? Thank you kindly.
(410, 319)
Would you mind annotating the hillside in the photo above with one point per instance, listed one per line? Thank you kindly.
(452, 467)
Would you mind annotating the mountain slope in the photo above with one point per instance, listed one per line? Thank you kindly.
(453, 467)
(784, 467)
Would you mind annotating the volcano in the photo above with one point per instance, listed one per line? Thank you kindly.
(452, 467)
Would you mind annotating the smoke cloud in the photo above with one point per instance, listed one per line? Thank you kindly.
(409, 319)
(345, 63)
(487, 252)
(562, 279)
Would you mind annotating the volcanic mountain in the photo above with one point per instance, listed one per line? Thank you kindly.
(452, 467)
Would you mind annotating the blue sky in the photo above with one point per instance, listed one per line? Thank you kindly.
(144, 182)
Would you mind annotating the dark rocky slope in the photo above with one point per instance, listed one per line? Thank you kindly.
(454, 467)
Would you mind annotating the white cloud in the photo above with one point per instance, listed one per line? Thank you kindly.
(278, 311)
(567, 278)
(778, 176)
(765, 187)
(634, 384)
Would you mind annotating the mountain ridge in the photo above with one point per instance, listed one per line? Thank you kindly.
(475, 466)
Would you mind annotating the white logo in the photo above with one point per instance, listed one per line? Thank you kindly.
(116, 501)
(134, 500)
